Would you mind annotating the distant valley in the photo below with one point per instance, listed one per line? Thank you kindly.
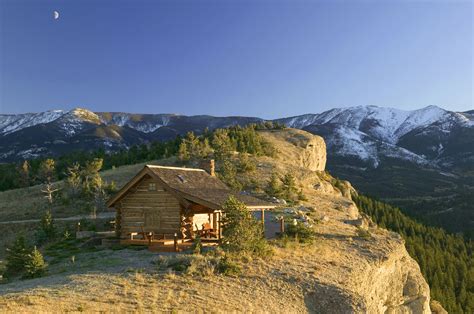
(421, 160)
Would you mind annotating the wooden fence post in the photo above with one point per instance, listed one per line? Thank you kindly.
(282, 225)
(176, 242)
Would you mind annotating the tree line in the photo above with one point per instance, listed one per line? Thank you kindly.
(219, 143)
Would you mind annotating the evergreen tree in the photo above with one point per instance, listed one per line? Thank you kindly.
(289, 190)
(183, 153)
(35, 265)
(47, 170)
(222, 144)
(47, 230)
(274, 187)
(16, 257)
(246, 164)
(241, 231)
(25, 174)
(73, 179)
(228, 174)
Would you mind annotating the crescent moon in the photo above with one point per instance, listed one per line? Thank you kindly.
(56, 15)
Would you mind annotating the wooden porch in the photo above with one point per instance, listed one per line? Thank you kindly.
(169, 245)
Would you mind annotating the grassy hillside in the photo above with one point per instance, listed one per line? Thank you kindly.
(29, 203)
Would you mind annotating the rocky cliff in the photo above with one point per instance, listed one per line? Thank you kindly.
(299, 147)
(371, 273)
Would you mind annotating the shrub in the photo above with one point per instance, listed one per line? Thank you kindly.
(197, 245)
(246, 164)
(365, 234)
(16, 258)
(228, 267)
(228, 174)
(47, 230)
(194, 265)
(22, 260)
(273, 187)
(202, 266)
(34, 264)
(289, 190)
(242, 233)
(300, 232)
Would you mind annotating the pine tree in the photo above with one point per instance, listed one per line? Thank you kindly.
(35, 265)
(25, 174)
(246, 164)
(91, 179)
(183, 153)
(47, 230)
(241, 231)
(228, 174)
(73, 179)
(222, 144)
(17, 255)
(192, 144)
(47, 170)
(273, 187)
(289, 190)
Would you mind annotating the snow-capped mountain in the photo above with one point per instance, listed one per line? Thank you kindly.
(422, 160)
(430, 136)
(372, 133)
(33, 135)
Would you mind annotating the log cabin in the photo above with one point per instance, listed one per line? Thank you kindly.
(168, 202)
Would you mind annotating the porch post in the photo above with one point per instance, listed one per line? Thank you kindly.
(282, 225)
(176, 242)
(219, 224)
(263, 217)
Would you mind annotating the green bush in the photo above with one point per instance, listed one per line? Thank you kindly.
(34, 264)
(197, 245)
(246, 164)
(241, 231)
(228, 267)
(47, 230)
(17, 255)
(24, 261)
(300, 232)
(365, 234)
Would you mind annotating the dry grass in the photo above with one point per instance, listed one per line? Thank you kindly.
(29, 203)
(296, 279)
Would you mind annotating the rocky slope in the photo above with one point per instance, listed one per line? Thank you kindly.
(341, 272)
(374, 275)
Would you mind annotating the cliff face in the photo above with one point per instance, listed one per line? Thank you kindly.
(372, 274)
(301, 148)
(394, 285)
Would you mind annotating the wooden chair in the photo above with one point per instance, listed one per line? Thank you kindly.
(208, 230)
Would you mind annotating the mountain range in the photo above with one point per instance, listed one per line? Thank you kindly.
(420, 159)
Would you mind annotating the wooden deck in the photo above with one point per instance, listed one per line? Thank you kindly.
(168, 245)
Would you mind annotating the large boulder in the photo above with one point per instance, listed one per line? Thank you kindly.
(299, 147)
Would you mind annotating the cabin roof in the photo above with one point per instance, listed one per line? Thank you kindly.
(191, 184)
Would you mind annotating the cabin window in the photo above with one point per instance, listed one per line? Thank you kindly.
(151, 186)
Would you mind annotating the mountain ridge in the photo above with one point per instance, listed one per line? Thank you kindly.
(385, 152)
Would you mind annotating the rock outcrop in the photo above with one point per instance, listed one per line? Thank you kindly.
(370, 272)
(299, 147)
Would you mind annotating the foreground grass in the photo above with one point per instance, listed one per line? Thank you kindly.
(131, 280)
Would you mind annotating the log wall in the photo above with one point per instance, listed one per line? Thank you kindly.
(157, 210)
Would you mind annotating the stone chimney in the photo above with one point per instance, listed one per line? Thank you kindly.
(212, 168)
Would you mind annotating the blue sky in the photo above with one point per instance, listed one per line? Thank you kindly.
(253, 58)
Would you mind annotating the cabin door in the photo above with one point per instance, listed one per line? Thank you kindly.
(152, 220)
